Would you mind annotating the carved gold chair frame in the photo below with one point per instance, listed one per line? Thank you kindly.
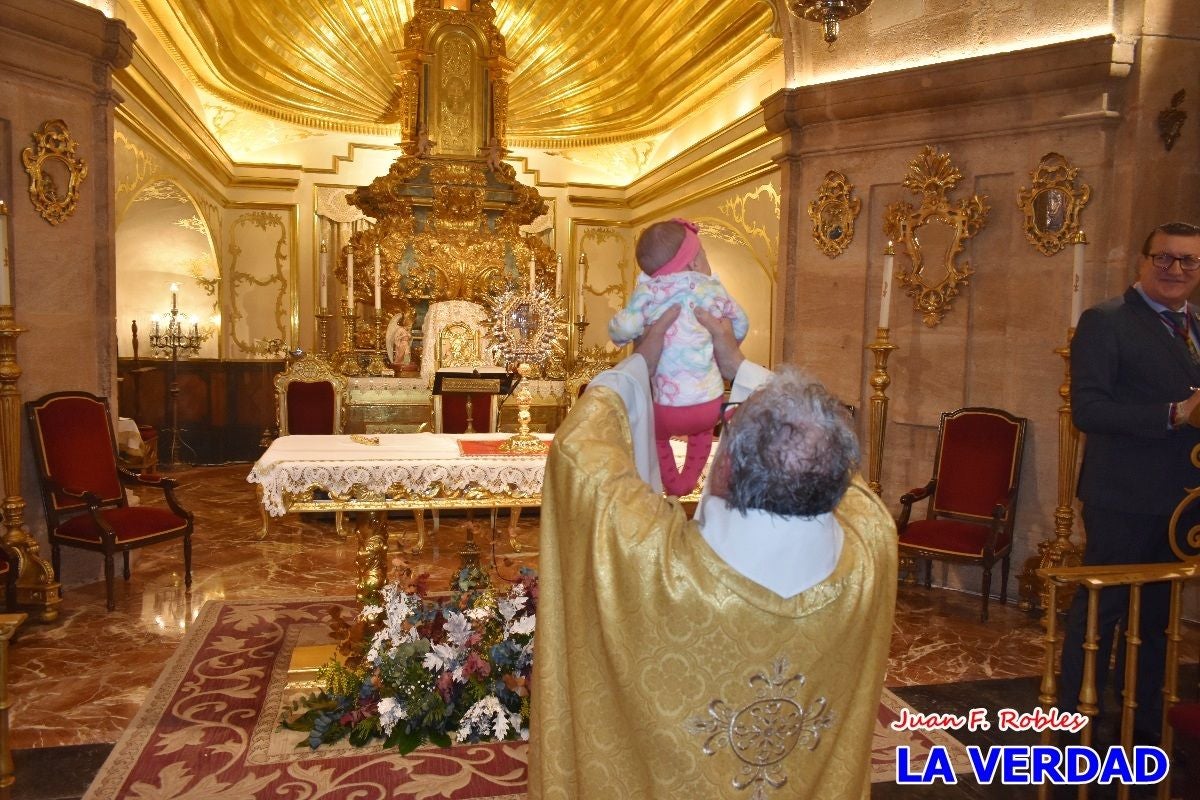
(1052, 204)
(931, 175)
(833, 214)
(51, 159)
(311, 368)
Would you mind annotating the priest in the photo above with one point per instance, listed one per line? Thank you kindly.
(737, 655)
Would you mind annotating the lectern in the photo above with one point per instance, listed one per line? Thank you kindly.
(471, 382)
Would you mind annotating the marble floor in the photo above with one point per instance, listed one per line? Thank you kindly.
(75, 684)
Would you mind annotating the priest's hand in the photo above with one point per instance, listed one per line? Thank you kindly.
(650, 344)
(726, 349)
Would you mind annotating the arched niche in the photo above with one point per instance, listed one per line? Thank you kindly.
(162, 239)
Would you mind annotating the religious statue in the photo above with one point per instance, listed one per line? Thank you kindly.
(399, 339)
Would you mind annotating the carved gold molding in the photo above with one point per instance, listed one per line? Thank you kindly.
(833, 214)
(1053, 204)
(931, 175)
(266, 221)
(53, 152)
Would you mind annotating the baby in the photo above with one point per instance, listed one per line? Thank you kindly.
(687, 386)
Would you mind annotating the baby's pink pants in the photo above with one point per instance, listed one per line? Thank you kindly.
(696, 423)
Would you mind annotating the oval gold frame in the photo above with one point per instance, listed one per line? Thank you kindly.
(53, 143)
(931, 175)
(1053, 204)
(833, 214)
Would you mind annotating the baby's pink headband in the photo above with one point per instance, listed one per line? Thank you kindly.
(686, 252)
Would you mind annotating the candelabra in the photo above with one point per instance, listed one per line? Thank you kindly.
(323, 332)
(580, 330)
(1059, 551)
(882, 348)
(346, 358)
(377, 365)
(175, 342)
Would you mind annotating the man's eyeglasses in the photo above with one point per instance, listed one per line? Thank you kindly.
(727, 410)
(1165, 261)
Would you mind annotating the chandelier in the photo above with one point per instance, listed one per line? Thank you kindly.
(827, 12)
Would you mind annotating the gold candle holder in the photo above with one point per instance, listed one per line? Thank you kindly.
(377, 365)
(346, 359)
(882, 348)
(1059, 551)
(523, 441)
(323, 332)
(36, 585)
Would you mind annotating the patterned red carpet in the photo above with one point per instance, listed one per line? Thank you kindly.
(209, 727)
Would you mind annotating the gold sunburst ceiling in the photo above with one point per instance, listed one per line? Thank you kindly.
(587, 72)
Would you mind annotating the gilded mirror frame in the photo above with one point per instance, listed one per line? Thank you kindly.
(53, 142)
(833, 214)
(932, 176)
(1052, 204)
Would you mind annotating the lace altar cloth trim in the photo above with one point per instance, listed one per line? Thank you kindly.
(416, 463)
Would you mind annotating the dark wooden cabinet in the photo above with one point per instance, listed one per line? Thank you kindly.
(226, 409)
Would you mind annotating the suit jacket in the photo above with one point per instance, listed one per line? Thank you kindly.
(1126, 369)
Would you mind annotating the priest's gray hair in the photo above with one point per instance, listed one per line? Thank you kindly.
(791, 448)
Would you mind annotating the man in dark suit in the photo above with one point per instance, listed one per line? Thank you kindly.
(1135, 363)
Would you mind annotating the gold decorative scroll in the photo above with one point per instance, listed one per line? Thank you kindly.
(946, 228)
(55, 172)
(833, 214)
(1053, 204)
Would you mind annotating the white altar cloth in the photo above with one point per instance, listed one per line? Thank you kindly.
(417, 462)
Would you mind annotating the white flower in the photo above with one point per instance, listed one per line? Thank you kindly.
(523, 625)
(371, 612)
(510, 606)
(440, 657)
(390, 712)
(458, 628)
(486, 717)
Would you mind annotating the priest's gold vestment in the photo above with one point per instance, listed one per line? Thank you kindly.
(652, 650)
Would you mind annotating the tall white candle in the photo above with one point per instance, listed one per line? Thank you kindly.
(349, 278)
(558, 276)
(1077, 279)
(532, 280)
(582, 282)
(324, 275)
(5, 265)
(174, 296)
(378, 297)
(885, 296)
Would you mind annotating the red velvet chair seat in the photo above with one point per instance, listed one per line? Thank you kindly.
(1185, 719)
(311, 408)
(951, 537)
(129, 523)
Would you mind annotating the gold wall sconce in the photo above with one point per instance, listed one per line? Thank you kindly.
(55, 172)
(833, 214)
(933, 234)
(1052, 204)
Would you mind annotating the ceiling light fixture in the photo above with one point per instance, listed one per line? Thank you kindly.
(827, 12)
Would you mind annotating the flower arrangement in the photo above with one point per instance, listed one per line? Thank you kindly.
(439, 673)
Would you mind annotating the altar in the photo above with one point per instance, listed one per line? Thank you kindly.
(378, 405)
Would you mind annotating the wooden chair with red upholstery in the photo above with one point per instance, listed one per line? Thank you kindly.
(311, 400)
(972, 496)
(83, 487)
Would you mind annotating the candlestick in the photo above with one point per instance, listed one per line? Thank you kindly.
(877, 427)
(1077, 278)
(174, 296)
(558, 275)
(324, 275)
(582, 283)
(378, 299)
(5, 265)
(350, 270)
(532, 281)
(885, 296)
